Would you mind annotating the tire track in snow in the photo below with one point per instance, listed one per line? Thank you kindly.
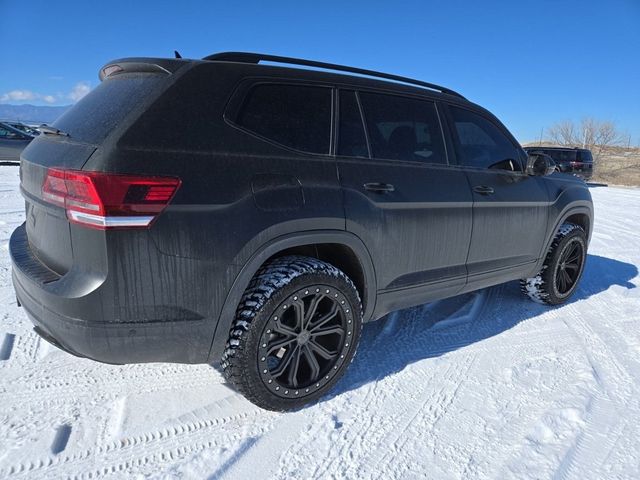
(424, 411)
(50, 387)
(604, 425)
(378, 397)
(153, 447)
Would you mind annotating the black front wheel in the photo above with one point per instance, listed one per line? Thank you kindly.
(295, 333)
(562, 268)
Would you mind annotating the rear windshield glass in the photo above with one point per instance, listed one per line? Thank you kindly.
(561, 156)
(585, 156)
(92, 118)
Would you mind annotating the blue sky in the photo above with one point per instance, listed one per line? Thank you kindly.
(532, 63)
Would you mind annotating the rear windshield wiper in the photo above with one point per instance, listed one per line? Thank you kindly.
(48, 130)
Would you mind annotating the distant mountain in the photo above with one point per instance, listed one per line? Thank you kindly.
(31, 113)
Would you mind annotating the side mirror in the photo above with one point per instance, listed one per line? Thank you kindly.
(540, 164)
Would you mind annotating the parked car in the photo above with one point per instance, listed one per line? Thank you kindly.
(12, 142)
(577, 161)
(28, 129)
(295, 205)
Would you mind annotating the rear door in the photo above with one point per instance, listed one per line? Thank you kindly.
(510, 208)
(411, 209)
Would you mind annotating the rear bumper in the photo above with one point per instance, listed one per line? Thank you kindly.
(584, 171)
(78, 320)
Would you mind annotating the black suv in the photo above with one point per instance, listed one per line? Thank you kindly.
(577, 161)
(224, 210)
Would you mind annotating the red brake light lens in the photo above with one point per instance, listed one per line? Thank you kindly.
(107, 200)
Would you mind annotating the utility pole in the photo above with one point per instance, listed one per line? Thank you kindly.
(540, 142)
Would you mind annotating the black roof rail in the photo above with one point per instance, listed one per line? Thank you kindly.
(246, 57)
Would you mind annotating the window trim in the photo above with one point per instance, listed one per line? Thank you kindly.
(364, 123)
(408, 97)
(239, 95)
(338, 93)
(453, 135)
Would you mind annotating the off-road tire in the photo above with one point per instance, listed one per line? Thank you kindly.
(270, 293)
(543, 288)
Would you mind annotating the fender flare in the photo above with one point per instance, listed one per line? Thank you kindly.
(239, 285)
(573, 209)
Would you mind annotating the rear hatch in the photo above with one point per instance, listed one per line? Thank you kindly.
(91, 127)
(584, 162)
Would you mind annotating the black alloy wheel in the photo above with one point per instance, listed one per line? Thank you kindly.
(305, 341)
(562, 268)
(569, 267)
(295, 333)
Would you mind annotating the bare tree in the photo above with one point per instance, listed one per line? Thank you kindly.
(593, 134)
(563, 133)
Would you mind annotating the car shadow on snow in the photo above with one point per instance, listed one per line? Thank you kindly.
(390, 344)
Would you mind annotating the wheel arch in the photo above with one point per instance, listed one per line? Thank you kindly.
(579, 214)
(342, 249)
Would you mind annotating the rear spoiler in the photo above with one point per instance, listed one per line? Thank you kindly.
(141, 65)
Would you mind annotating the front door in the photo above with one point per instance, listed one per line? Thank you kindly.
(510, 208)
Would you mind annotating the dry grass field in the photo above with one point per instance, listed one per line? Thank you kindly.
(619, 166)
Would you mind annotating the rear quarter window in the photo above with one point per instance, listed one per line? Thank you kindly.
(295, 116)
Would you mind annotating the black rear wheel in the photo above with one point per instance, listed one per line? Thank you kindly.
(295, 333)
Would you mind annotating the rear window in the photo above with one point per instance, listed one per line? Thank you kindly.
(403, 128)
(92, 118)
(296, 116)
(585, 156)
(561, 156)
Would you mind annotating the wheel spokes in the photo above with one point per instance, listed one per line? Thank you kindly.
(567, 279)
(570, 253)
(305, 339)
(320, 350)
(561, 282)
(324, 319)
(312, 361)
(574, 258)
(284, 329)
(298, 307)
(275, 347)
(313, 308)
(285, 362)
(292, 376)
(328, 331)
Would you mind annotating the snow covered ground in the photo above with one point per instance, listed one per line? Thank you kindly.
(485, 385)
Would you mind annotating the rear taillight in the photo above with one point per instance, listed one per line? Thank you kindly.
(108, 200)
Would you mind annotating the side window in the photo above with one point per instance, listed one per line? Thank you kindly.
(296, 116)
(403, 128)
(482, 144)
(352, 141)
(4, 133)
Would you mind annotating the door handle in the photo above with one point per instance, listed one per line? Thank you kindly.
(379, 187)
(483, 190)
